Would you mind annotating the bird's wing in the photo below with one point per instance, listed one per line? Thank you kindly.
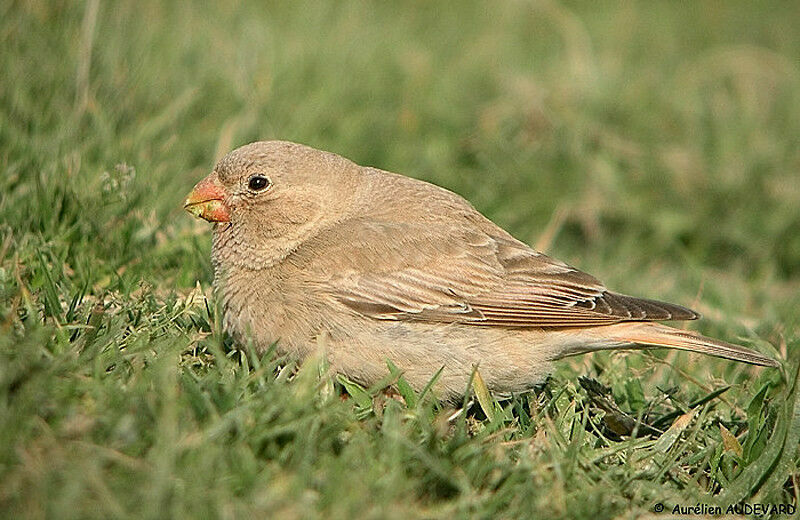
(399, 272)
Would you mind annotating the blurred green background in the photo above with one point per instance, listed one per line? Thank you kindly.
(653, 144)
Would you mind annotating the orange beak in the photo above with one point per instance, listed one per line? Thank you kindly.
(207, 200)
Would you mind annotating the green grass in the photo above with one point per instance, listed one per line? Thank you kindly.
(654, 145)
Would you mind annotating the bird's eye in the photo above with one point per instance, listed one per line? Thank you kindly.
(258, 183)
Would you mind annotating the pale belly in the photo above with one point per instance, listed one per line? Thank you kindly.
(360, 348)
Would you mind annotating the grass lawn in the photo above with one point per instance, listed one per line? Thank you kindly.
(654, 145)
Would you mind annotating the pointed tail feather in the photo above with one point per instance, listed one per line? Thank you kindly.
(656, 335)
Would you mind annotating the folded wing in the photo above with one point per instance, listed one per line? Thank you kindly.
(473, 277)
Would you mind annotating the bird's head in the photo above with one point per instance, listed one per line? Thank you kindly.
(270, 192)
(275, 181)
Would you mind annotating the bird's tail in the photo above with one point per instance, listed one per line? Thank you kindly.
(627, 335)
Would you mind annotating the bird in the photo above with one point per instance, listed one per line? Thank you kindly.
(315, 254)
